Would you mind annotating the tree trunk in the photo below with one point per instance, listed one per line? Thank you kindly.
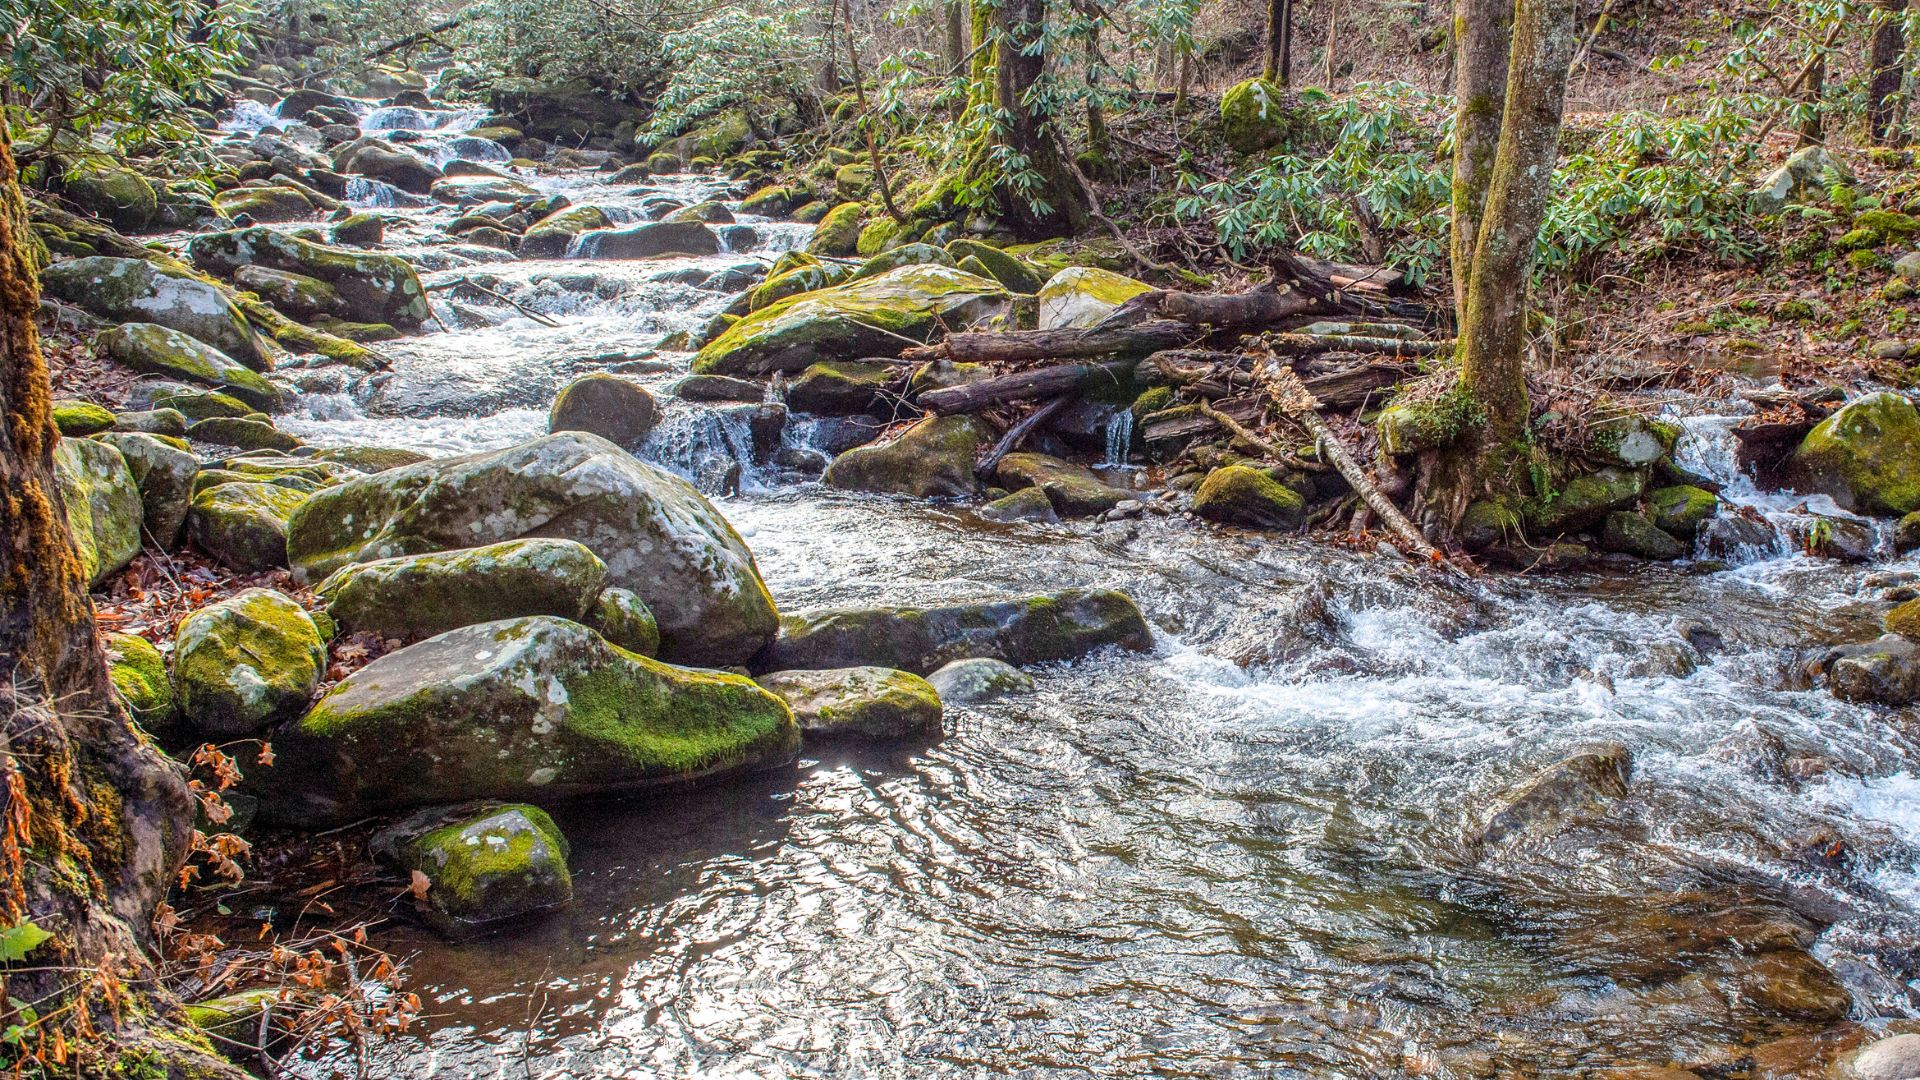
(985, 54)
(1812, 127)
(1045, 198)
(956, 19)
(1493, 335)
(1276, 15)
(1887, 64)
(94, 822)
(1483, 31)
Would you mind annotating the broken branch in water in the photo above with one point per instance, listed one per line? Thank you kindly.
(539, 317)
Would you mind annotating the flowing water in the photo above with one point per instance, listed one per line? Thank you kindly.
(1241, 854)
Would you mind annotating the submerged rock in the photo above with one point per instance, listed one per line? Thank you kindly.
(244, 525)
(537, 708)
(869, 704)
(247, 662)
(873, 317)
(485, 863)
(373, 287)
(932, 459)
(1061, 626)
(650, 241)
(1081, 296)
(658, 536)
(134, 290)
(164, 476)
(152, 349)
(979, 679)
(416, 596)
(103, 505)
(616, 409)
(1580, 785)
(1866, 456)
(1244, 495)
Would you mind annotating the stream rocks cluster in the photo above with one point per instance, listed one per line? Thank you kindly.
(569, 622)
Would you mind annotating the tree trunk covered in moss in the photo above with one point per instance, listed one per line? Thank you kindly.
(980, 72)
(1279, 66)
(1493, 335)
(93, 820)
(1887, 66)
(1482, 33)
(1044, 197)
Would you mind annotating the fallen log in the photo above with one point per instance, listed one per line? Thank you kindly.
(1018, 433)
(1187, 421)
(1291, 397)
(1017, 346)
(1026, 386)
(1311, 344)
(1348, 388)
(1262, 305)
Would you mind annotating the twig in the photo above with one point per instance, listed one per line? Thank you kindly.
(542, 319)
(1017, 433)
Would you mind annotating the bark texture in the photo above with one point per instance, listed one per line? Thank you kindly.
(1051, 200)
(1887, 67)
(1482, 31)
(93, 820)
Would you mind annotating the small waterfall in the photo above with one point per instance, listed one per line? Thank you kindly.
(249, 116)
(712, 447)
(1119, 439)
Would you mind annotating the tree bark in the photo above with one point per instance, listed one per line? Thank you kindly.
(1050, 200)
(956, 20)
(1026, 386)
(94, 822)
(1887, 66)
(1483, 32)
(1812, 127)
(1493, 334)
(1279, 33)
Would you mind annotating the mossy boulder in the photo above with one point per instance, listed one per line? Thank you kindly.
(1490, 522)
(1627, 532)
(932, 459)
(873, 317)
(1254, 116)
(169, 422)
(650, 240)
(473, 189)
(247, 662)
(370, 459)
(804, 278)
(658, 536)
(979, 679)
(297, 295)
(841, 387)
(538, 709)
(1585, 501)
(76, 419)
(1885, 671)
(719, 388)
(550, 237)
(266, 203)
(878, 235)
(838, 233)
(201, 404)
(1905, 620)
(853, 180)
(380, 160)
(812, 213)
(710, 211)
(1866, 456)
(772, 201)
(1081, 296)
(102, 503)
(1073, 490)
(373, 287)
(237, 1019)
(1009, 270)
(243, 525)
(1035, 630)
(1028, 504)
(164, 474)
(113, 193)
(364, 229)
(134, 290)
(417, 596)
(1803, 179)
(152, 349)
(620, 616)
(867, 704)
(139, 675)
(485, 864)
(242, 432)
(904, 255)
(1244, 495)
(1682, 509)
(616, 409)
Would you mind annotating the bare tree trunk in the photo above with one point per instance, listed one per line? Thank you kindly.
(1812, 127)
(1276, 15)
(1493, 335)
(956, 18)
(94, 822)
(1887, 64)
(1483, 31)
(867, 120)
(1333, 39)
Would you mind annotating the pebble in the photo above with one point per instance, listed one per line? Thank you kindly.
(1897, 1058)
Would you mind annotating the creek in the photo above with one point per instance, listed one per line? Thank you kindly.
(1242, 853)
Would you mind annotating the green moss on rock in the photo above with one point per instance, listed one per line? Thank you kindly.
(416, 596)
(1866, 456)
(244, 525)
(932, 459)
(139, 675)
(1254, 116)
(102, 503)
(1244, 495)
(485, 864)
(838, 233)
(246, 663)
(867, 704)
(151, 349)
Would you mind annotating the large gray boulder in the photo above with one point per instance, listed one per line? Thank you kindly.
(372, 287)
(246, 662)
(659, 537)
(537, 709)
(103, 505)
(134, 290)
(866, 704)
(1035, 630)
(861, 318)
(383, 161)
(243, 524)
(164, 475)
(650, 240)
(417, 596)
(152, 349)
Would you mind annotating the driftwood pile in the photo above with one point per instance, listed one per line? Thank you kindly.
(1238, 363)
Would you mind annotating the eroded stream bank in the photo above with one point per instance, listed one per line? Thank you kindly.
(1256, 848)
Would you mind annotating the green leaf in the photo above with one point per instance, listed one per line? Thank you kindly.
(19, 940)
